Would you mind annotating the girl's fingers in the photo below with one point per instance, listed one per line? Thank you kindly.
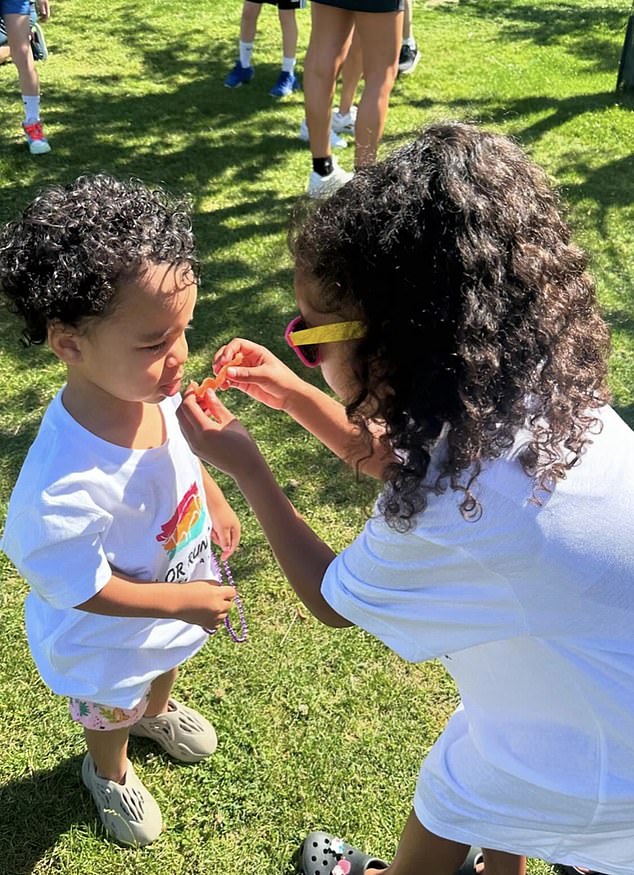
(252, 353)
(244, 375)
(228, 351)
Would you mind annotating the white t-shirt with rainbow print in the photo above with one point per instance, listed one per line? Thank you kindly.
(82, 507)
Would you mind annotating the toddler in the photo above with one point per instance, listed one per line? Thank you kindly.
(112, 517)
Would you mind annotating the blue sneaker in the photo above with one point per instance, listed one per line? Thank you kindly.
(239, 76)
(285, 85)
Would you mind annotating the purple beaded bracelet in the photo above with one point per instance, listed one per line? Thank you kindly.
(242, 636)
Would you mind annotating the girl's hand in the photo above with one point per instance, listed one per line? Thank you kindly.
(219, 438)
(204, 603)
(43, 9)
(226, 529)
(261, 374)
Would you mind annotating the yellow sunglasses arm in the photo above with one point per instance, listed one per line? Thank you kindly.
(331, 333)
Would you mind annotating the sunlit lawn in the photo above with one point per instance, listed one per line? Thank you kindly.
(317, 728)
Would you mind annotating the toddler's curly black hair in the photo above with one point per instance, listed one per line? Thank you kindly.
(64, 258)
(480, 315)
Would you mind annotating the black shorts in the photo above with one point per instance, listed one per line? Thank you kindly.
(283, 4)
(365, 5)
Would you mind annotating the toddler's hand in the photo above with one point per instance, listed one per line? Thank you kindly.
(226, 529)
(218, 438)
(205, 603)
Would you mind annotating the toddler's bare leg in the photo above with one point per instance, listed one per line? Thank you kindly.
(109, 750)
(160, 693)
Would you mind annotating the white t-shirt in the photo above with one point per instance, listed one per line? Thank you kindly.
(82, 507)
(531, 610)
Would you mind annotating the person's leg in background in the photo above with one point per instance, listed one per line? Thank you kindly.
(18, 27)
(343, 120)
(410, 53)
(287, 81)
(380, 37)
(243, 71)
(5, 51)
(330, 36)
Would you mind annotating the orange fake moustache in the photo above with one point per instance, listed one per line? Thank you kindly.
(217, 382)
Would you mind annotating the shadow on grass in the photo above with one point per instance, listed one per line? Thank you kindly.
(36, 810)
(586, 33)
(232, 139)
(138, 131)
(555, 112)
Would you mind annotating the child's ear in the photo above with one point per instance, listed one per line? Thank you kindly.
(64, 341)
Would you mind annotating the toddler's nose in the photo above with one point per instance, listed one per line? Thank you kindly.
(178, 353)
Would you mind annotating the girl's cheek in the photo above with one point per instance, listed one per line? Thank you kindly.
(340, 379)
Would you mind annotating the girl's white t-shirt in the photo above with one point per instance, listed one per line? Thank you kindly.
(83, 507)
(531, 610)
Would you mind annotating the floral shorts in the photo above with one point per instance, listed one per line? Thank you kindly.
(105, 717)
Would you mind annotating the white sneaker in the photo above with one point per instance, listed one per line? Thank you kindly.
(344, 123)
(322, 186)
(336, 142)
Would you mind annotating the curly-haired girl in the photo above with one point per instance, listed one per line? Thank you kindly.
(112, 516)
(444, 301)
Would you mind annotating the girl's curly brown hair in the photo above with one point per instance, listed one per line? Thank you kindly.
(481, 318)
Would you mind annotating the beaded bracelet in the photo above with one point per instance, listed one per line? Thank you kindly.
(242, 636)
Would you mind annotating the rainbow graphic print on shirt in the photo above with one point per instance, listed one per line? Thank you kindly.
(186, 523)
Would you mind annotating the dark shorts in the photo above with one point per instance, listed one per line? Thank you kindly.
(283, 4)
(15, 7)
(365, 5)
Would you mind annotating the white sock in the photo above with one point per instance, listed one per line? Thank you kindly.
(31, 108)
(288, 65)
(246, 50)
(410, 41)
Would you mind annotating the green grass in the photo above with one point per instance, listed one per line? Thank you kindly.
(317, 728)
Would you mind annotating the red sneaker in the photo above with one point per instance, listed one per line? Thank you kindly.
(38, 144)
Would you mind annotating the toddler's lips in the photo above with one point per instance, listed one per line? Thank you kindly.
(173, 387)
